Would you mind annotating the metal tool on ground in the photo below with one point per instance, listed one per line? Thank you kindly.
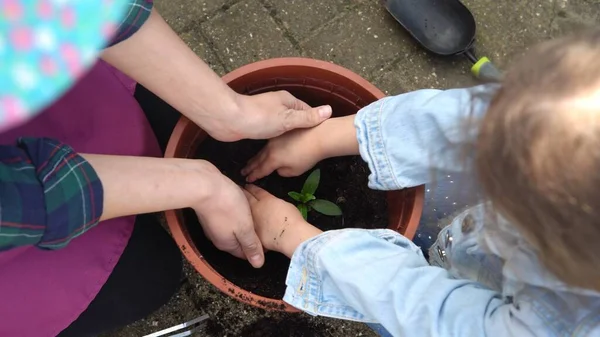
(444, 27)
(182, 330)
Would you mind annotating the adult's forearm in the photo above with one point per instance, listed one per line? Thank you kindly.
(136, 185)
(159, 60)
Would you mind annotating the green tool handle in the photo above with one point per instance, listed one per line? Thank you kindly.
(485, 70)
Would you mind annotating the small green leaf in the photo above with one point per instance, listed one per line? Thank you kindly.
(312, 182)
(307, 197)
(326, 207)
(296, 196)
(303, 210)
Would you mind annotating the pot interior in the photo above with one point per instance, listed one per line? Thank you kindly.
(315, 86)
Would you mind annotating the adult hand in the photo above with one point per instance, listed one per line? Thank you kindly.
(260, 116)
(160, 61)
(159, 184)
(227, 220)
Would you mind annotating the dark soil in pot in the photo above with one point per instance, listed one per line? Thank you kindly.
(343, 181)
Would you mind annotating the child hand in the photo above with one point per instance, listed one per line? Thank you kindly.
(295, 152)
(278, 224)
(291, 154)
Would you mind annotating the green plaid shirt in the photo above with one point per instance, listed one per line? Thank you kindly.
(137, 13)
(49, 195)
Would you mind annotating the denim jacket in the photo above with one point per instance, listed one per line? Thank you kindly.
(483, 280)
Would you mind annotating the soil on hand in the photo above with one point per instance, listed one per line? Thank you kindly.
(343, 181)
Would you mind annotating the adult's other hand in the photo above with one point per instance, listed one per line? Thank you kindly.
(261, 116)
(159, 60)
(158, 184)
(227, 220)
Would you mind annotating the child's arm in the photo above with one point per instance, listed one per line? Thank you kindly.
(408, 138)
(402, 138)
(380, 276)
(279, 225)
(295, 152)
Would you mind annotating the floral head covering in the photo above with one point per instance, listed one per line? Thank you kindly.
(45, 46)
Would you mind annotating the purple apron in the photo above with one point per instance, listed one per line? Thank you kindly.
(42, 292)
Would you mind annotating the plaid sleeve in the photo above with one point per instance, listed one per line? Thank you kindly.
(138, 12)
(48, 194)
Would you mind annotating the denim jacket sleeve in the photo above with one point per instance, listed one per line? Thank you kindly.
(380, 276)
(404, 138)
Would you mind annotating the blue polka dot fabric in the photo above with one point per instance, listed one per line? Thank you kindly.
(45, 46)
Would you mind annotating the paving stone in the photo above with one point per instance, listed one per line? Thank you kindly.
(574, 15)
(247, 33)
(506, 29)
(181, 13)
(420, 70)
(363, 40)
(302, 17)
(194, 39)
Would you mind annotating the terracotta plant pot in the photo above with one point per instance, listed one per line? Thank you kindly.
(314, 82)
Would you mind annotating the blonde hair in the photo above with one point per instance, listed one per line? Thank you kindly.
(538, 154)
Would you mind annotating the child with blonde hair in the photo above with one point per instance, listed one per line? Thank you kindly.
(523, 262)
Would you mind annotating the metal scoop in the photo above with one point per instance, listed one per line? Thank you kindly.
(444, 27)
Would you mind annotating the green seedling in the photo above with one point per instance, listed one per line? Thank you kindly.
(307, 201)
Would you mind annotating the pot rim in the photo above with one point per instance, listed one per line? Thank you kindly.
(177, 226)
(303, 62)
